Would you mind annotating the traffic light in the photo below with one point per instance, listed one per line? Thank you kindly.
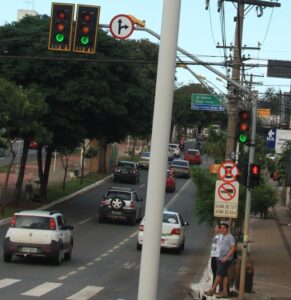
(61, 27)
(255, 174)
(243, 126)
(242, 176)
(86, 29)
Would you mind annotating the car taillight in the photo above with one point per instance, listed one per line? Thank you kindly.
(176, 231)
(53, 225)
(141, 227)
(13, 221)
(132, 204)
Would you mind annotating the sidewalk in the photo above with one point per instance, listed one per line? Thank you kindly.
(270, 244)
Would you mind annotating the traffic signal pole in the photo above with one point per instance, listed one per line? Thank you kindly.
(248, 204)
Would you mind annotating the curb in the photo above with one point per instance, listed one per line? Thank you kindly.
(65, 198)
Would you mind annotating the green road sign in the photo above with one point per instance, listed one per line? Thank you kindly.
(206, 102)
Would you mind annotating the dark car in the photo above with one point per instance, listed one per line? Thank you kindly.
(126, 171)
(121, 203)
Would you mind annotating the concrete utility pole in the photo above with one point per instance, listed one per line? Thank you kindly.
(233, 93)
(150, 257)
(237, 62)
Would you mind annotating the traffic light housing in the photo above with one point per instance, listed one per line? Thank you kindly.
(243, 126)
(242, 176)
(255, 175)
(61, 27)
(86, 29)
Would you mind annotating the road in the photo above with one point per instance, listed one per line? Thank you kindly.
(105, 263)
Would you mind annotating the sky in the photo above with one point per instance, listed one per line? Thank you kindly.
(200, 31)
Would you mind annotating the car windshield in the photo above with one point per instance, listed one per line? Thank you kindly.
(170, 218)
(118, 194)
(126, 164)
(146, 154)
(32, 222)
(181, 163)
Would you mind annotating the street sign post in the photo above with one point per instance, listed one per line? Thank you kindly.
(226, 199)
(121, 26)
(206, 102)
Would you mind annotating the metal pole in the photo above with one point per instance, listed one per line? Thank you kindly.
(248, 204)
(150, 257)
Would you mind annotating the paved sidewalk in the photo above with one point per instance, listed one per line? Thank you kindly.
(270, 245)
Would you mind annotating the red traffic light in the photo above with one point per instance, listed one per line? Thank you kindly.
(86, 17)
(255, 169)
(60, 26)
(243, 126)
(244, 115)
(85, 29)
(61, 14)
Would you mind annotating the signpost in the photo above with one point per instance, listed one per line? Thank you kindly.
(206, 102)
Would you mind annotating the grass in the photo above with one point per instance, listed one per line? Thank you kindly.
(55, 192)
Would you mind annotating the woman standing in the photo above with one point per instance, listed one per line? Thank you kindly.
(215, 250)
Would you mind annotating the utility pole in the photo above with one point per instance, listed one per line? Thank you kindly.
(237, 62)
(233, 92)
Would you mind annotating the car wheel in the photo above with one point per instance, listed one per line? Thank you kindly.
(7, 257)
(57, 260)
(68, 255)
(178, 250)
(138, 246)
(132, 220)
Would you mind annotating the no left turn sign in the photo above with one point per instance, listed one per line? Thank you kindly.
(121, 27)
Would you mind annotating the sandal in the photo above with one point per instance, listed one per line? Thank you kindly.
(209, 293)
(220, 296)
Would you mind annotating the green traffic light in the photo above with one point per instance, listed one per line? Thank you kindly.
(243, 138)
(60, 37)
(84, 40)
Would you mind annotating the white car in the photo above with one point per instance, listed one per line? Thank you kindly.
(173, 232)
(40, 234)
(144, 161)
(175, 149)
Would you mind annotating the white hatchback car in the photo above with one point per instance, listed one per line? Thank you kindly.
(40, 234)
(173, 232)
(175, 149)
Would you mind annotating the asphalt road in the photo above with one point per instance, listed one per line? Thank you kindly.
(105, 263)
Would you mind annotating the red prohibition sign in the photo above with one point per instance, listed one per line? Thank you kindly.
(226, 191)
(227, 171)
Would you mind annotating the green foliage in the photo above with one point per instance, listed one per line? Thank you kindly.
(215, 145)
(263, 197)
(205, 183)
(91, 152)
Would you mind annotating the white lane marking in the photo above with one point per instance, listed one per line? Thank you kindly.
(142, 185)
(63, 277)
(90, 263)
(42, 289)
(85, 221)
(129, 265)
(110, 251)
(104, 254)
(86, 293)
(72, 273)
(175, 198)
(7, 281)
(133, 235)
(82, 268)
(115, 247)
(97, 259)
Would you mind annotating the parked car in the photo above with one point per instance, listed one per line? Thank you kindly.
(193, 156)
(126, 171)
(175, 149)
(180, 168)
(121, 203)
(170, 182)
(33, 145)
(173, 232)
(144, 161)
(38, 233)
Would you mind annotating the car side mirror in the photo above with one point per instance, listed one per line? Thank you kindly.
(186, 223)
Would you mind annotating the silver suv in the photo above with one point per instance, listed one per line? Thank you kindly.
(38, 233)
(121, 203)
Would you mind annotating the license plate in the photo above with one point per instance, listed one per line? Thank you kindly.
(28, 250)
(116, 212)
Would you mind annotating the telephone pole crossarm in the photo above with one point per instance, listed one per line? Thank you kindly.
(256, 2)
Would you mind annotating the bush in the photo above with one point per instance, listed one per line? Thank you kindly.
(91, 152)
